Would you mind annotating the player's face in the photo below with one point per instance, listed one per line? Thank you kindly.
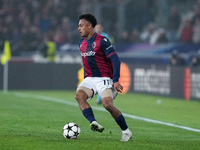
(83, 27)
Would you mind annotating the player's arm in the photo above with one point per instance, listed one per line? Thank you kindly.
(112, 55)
(116, 67)
(116, 72)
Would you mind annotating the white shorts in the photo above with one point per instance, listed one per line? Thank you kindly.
(98, 85)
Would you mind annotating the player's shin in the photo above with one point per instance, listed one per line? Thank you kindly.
(88, 114)
(121, 122)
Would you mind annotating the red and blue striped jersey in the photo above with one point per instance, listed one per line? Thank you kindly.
(96, 53)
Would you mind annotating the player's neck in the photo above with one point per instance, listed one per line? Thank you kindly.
(90, 35)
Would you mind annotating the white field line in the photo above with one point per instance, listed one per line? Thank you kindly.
(57, 100)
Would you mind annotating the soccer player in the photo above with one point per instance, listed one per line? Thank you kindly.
(102, 70)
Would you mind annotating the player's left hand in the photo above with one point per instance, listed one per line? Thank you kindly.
(118, 87)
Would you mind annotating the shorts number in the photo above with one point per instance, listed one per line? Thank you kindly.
(106, 82)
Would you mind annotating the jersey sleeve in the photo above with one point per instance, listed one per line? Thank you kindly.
(107, 47)
(116, 67)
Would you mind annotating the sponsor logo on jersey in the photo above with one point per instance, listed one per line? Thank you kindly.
(90, 53)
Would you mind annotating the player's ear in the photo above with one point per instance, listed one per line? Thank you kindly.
(90, 25)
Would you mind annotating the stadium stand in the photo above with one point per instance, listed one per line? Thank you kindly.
(26, 23)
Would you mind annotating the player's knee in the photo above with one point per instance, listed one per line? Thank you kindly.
(107, 103)
(80, 95)
(77, 96)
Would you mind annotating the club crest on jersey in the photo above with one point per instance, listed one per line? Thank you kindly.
(93, 44)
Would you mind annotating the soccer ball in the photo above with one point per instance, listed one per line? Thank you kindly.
(71, 131)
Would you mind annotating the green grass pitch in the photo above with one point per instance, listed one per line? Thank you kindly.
(34, 120)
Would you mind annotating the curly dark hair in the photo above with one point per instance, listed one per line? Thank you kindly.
(90, 18)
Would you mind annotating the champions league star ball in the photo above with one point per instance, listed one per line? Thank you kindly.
(71, 131)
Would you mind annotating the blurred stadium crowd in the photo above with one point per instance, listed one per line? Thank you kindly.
(27, 23)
